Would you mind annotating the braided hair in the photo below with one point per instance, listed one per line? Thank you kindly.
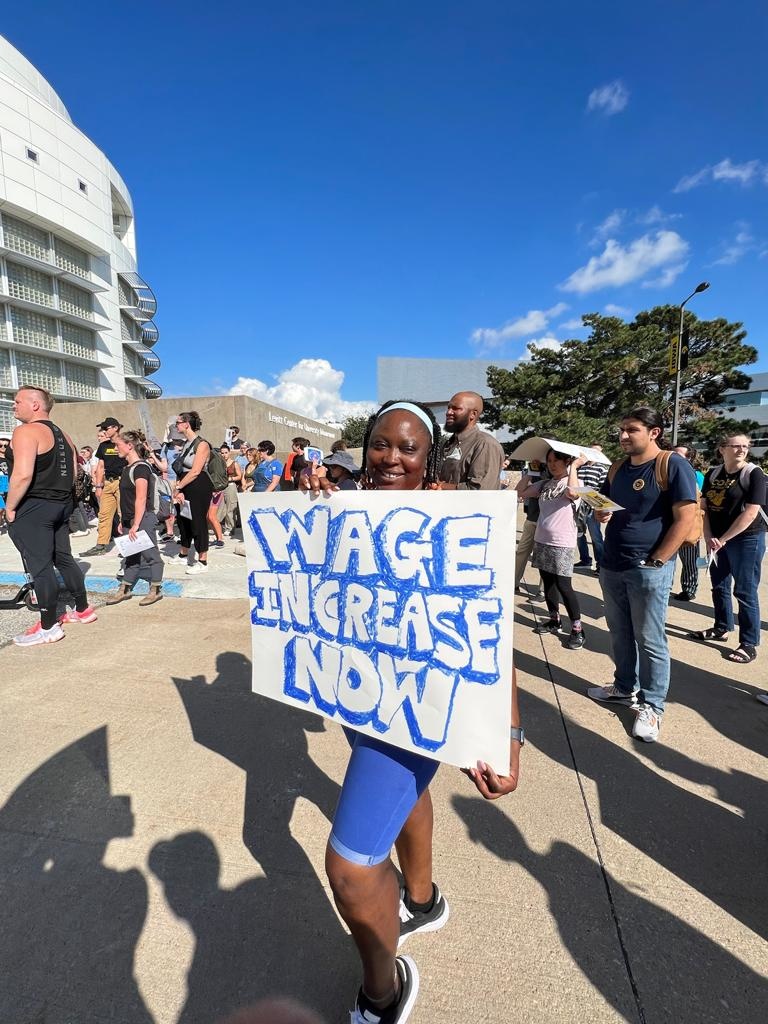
(137, 439)
(435, 453)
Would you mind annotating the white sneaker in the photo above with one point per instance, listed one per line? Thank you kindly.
(196, 568)
(762, 697)
(647, 724)
(80, 533)
(37, 635)
(612, 695)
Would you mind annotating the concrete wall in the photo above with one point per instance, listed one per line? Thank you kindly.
(258, 421)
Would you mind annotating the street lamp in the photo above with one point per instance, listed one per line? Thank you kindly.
(676, 415)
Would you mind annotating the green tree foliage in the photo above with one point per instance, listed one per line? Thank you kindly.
(353, 430)
(579, 392)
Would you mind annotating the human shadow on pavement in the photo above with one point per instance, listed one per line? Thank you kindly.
(680, 973)
(711, 849)
(273, 934)
(70, 924)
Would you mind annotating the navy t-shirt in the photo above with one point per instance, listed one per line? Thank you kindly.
(634, 533)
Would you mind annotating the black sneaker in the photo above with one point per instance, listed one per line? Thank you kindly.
(413, 921)
(550, 626)
(583, 563)
(97, 549)
(217, 544)
(397, 1013)
(684, 595)
(576, 640)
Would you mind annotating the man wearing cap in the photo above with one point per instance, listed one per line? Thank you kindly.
(340, 470)
(106, 484)
(473, 459)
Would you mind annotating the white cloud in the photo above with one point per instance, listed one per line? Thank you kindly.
(666, 277)
(551, 343)
(532, 322)
(726, 170)
(609, 99)
(613, 310)
(742, 243)
(618, 265)
(573, 325)
(610, 225)
(743, 173)
(311, 387)
(657, 216)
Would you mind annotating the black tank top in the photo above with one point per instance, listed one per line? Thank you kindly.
(54, 474)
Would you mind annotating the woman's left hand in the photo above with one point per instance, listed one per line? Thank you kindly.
(132, 532)
(490, 785)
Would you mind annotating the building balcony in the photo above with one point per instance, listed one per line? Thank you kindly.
(151, 361)
(139, 303)
(49, 266)
(151, 389)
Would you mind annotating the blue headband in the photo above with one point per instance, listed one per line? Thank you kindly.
(409, 407)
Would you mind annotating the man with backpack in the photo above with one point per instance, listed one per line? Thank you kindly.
(657, 494)
(733, 496)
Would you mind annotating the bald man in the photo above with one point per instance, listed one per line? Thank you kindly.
(473, 459)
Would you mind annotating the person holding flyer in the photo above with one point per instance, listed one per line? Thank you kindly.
(555, 539)
(137, 483)
(385, 797)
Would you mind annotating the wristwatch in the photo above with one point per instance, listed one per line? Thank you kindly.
(518, 734)
(652, 563)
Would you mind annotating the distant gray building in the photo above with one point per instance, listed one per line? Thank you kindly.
(435, 381)
(751, 404)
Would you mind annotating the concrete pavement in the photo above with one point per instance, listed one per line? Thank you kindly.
(162, 834)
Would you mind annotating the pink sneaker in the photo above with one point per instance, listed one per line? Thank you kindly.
(89, 615)
(37, 635)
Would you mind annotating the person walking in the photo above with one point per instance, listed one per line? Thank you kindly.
(733, 496)
(657, 493)
(42, 461)
(193, 491)
(106, 486)
(472, 458)
(689, 553)
(385, 799)
(555, 540)
(137, 502)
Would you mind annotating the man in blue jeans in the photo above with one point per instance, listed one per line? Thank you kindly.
(638, 567)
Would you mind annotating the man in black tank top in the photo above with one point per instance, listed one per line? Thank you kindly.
(43, 463)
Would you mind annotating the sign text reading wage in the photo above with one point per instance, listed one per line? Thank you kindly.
(389, 613)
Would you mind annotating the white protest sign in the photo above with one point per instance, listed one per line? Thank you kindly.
(390, 613)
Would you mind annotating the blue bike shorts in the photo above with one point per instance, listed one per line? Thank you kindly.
(381, 788)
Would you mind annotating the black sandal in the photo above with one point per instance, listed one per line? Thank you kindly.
(743, 654)
(720, 635)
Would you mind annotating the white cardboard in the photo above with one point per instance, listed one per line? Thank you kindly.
(388, 613)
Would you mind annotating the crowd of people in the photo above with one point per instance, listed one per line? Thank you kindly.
(662, 503)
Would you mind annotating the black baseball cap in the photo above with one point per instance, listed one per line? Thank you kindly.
(110, 421)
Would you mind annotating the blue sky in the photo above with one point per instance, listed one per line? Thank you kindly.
(319, 184)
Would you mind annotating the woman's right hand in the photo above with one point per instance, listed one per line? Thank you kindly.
(602, 515)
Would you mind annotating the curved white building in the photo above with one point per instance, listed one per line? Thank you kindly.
(75, 316)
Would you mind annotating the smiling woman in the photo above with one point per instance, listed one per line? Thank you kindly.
(385, 799)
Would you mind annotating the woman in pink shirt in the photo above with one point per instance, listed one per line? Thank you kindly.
(555, 540)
